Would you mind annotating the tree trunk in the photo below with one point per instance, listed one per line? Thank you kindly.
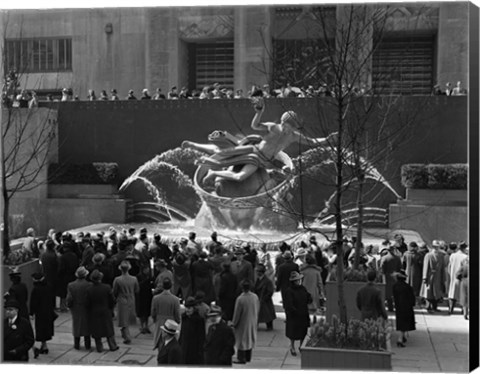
(358, 244)
(6, 226)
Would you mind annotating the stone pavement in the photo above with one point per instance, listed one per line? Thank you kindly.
(440, 344)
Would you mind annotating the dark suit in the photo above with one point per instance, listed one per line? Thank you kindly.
(370, 303)
(283, 275)
(170, 354)
(17, 339)
(390, 264)
(219, 345)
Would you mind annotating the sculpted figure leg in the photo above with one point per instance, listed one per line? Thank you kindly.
(244, 173)
(207, 148)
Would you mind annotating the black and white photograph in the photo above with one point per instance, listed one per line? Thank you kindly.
(259, 185)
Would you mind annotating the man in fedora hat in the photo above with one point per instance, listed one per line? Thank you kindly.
(241, 268)
(284, 271)
(17, 334)
(433, 286)
(192, 334)
(77, 302)
(264, 290)
(18, 291)
(220, 340)
(390, 264)
(125, 290)
(169, 351)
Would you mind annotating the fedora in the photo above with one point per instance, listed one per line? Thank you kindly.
(81, 272)
(295, 275)
(170, 327)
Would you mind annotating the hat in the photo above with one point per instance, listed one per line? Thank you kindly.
(65, 90)
(302, 252)
(190, 302)
(180, 259)
(295, 275)
(113, 91)
(239, 251)
(313, 239)
(453, 245)
(214, 233)
(214, 311)
(183, 241)
(11, 303)
(170, 327)
(98, 258)
(436, 243)
(463, 245)
(144, 90)
(287, 255)
(401, 274)
(96, 276)
(81, 272)
(413, 244)
(80, 234)
(14, 272)
(130, 91)
(38, 277)
(125, 265)
(203, 255)
(143, 230)
(261, 268)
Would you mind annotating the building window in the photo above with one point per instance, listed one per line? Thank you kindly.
(211, 63)
(300, 62)
(404, 65)
(39, 55)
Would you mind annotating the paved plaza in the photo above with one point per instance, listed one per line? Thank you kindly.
(440, 344)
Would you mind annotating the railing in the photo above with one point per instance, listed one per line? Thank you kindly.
(371, 216)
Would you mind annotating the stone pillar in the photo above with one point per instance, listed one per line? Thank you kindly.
(253, 43)
(452, 44)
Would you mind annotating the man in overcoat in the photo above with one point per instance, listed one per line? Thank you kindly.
(369, 299)
(433, 286)
(17, 334)
(390, 264)
(454, 264)
(169, 350)
(241, 268)
(202, 277)
(284, 271)
(228, 291)
(68, 263)
(220, 340)
(245, 317)
(413, 264)
(77, 302)
(264, 290)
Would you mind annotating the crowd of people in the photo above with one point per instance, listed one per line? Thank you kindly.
(203, 301)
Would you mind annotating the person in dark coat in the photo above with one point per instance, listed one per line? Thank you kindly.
(220, 340)
(404, 297)
(49, 261)
(67, 266)
(192, 334)
(87, 252)
(295, 302)
(283, 272)
(264, 290)
(241, 268)
(169, 352)
(413, 265)
(369, 299)
(160, 251)
(77, 302)
(100, 303)
(144, 299)
(228, 291)
(43, 311)
(202, 277)
(182, 280)
(18, 291)
(17, 334)
(390, 264)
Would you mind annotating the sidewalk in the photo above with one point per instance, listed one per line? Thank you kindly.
(440, 344)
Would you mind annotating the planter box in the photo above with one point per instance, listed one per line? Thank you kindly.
(436, 197)
(80, 190)
(344, 359)
(350, 290)
(27, 269)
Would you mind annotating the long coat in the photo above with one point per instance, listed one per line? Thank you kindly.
(404, 298)
(170, 354)
(312, 281)
(283, 275)
(77, 302)
(19, 337)
(369, 302)
(125, 289)
(50, 270)
(164, 306)
(67, 266)
(462, 276)
(43, 310)
(219, 345)
(454, 265)
(202, 279)
(19, 292)
(145, 296)
(192, 339)
(182, 279)
(390, 264)
(413, 264)
(433, 276)
(100, 304)
(244, 320)
(243, 270)
(264, 291)
(295, 303)
(227, 293)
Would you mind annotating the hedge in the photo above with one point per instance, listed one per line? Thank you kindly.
(435, 176)
(93, 173)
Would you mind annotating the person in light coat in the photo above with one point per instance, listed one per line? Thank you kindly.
(245, 317)
(454, 265)
(125, 289)
(433, 286)
(312, 281)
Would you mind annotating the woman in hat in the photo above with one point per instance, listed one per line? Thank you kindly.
(49, 262)
(192, 334)
(100, 304)
(42, 310)
(125, 289)
(295, 301)
(264, 289)
(77, 302)
(404, 298)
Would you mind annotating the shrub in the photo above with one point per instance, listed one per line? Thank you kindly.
(368, 335)
(94, 173)
(435, 176)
